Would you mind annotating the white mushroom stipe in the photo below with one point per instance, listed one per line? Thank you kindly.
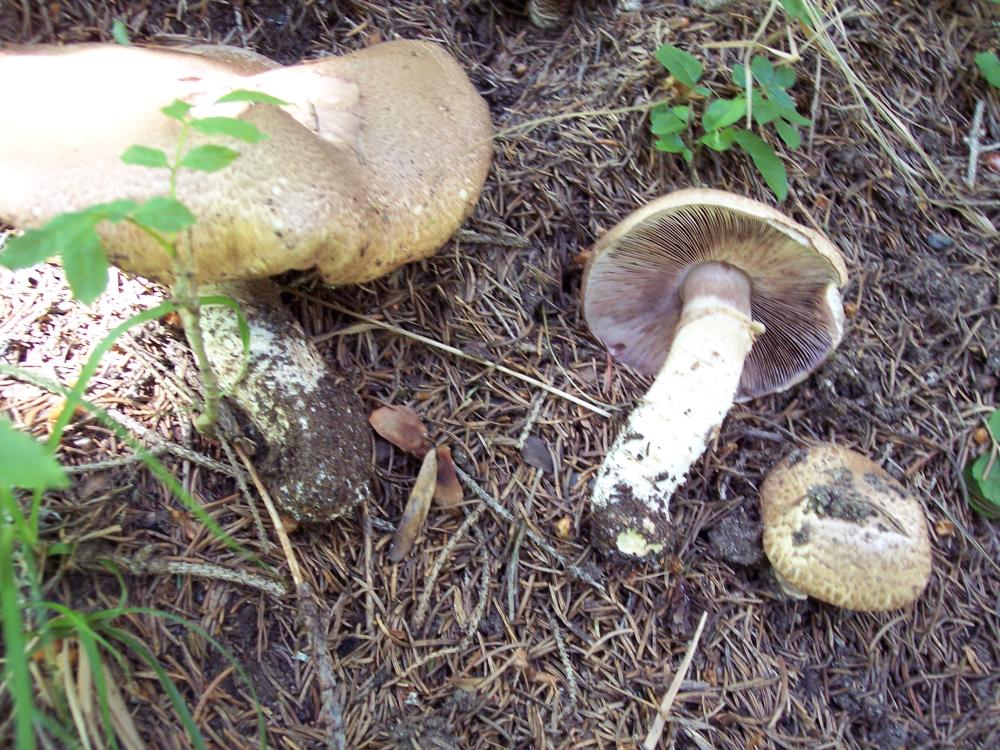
(685, 405)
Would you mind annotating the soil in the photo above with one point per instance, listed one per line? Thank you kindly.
(513, 649)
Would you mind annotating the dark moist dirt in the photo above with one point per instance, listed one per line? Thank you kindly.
(914, 377)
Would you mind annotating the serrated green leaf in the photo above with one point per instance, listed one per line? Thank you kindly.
(25, 463)
(723, 112)
(177, 109)
(993, 423)
(682, 111)
(789, 134)
(681, 65)
(119, 32)
(143, 156)
(254, 97)
(989, 65)
(230, 126)
(784, 76)
(164, 215)
(86, 268)
(766, 161)
(718, 140)
(208, 158)
(36, 245)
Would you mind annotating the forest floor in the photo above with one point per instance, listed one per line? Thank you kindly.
(515, 650)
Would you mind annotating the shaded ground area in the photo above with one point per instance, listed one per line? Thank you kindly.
(540, 658)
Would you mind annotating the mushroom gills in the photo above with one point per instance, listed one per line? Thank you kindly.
(680, 412)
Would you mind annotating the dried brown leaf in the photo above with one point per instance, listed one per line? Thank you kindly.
(402, 427)
(536, 453)
(416, 508)
(448, 491)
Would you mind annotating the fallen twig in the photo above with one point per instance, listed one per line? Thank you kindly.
(144, 565)
(471, 519)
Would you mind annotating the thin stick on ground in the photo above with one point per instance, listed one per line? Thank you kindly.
(456, 352)
(241, 482)
(675, 685)
(976, 148)
(496, 507)
(140, 565)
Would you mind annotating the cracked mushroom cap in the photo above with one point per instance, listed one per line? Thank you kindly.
(377, 159)
(632, 299)
(838, 528)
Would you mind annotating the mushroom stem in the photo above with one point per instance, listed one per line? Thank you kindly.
(311, 430)
(680, 412)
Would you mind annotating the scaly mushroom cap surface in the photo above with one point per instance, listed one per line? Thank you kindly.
(377, 160)
(632, 299)
(838, 528)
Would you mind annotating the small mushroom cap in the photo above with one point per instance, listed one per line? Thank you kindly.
(838, 528)
(376, 161)
(632, 299)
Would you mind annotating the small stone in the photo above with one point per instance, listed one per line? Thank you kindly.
(939, 241)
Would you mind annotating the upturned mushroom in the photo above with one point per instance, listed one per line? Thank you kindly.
(838, 528)
(375, 162)
(723, 299)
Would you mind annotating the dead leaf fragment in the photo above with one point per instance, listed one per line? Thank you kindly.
(536, 453)
(402, 427)
(416, 508)
(448, 490)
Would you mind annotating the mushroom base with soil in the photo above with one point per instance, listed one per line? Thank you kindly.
(316, 457)
(679, 414)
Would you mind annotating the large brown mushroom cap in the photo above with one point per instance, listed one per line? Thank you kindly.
(838, 528)
(378, 160)
(632, 298)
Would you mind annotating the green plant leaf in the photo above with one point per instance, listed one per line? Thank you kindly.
(784, 76)
(739, 75)
(989, 65)
(796, 9)
(143, 156)
(672, 143)
(683, 66)
(666, 120)
(723, 112)
(230, 126)
(781, 99)
(766, 161)
(718, 140)
(86, 268)
(764, 110)
(984, 491)
(16, 672)
(119, 32)
(254, 97)
(993, 423)
(208, 158)
(164, 214)
(177, 109)
(25, 463)
(763, 71)
(789, 133)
